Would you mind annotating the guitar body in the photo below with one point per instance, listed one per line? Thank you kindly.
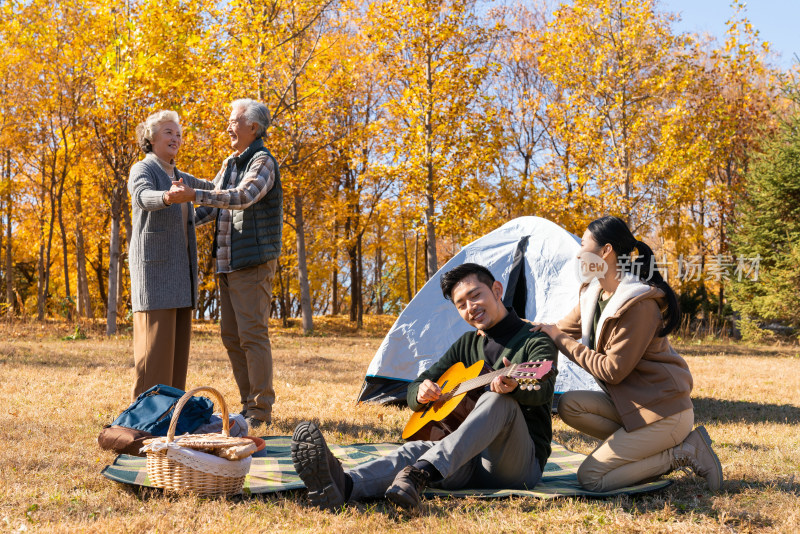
(440, 418)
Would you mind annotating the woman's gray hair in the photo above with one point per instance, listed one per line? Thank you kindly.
(255, 112)
(147, 129)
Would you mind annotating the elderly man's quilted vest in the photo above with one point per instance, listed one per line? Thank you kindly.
(255, 231)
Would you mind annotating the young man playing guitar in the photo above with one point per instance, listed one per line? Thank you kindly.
(504, 442)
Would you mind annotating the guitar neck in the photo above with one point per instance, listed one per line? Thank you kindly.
(481, 381)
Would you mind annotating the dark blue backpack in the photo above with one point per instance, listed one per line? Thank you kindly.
(152, 411)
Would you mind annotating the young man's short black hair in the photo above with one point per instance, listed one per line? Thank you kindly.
(454, 276)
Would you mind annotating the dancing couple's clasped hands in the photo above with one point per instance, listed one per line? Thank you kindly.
(179, 192)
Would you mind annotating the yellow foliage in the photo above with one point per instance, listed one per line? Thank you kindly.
(403, 130)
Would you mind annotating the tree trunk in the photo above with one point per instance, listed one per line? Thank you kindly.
(352, 255)
(100, 274)
(416, 257)
(2, 235)
(431, 264)
(378, 282)
(40, 280)
(283, 299)
(48, 254)
(84, 301)
(302, 266)
(360, 317)
(113, 267)
(405, 258)
(43, 269)
(9, 260)
(123, 253)
(356, 277)
(335, 274)
(120, 282)
(723, 245)
(702, 291)
(217, 308)
(65, 251)
(335, 289)
(126, 215)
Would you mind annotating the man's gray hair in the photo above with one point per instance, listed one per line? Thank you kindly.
(255, 112)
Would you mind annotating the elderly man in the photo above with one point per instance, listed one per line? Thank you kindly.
(247, 205)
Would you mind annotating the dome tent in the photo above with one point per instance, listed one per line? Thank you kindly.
(532, 257)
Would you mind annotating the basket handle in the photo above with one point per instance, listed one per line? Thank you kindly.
(182, 402)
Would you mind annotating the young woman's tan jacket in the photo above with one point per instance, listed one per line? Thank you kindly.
(646, 379)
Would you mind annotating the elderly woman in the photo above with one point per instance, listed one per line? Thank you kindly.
(163, 257)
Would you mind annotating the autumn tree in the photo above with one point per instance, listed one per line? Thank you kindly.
(735, 105)
(14, 79)
(359, 178)
(623, 79)
(523, 94)
(435, 59)
(55, 50)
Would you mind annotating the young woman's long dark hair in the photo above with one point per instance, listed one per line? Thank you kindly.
(615, 232)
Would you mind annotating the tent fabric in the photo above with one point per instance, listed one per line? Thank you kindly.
(532, 257)
(271, 471)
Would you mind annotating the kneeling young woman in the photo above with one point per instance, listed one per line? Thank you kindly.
(617, 333)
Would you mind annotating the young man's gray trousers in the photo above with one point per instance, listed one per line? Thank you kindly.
(491, 449)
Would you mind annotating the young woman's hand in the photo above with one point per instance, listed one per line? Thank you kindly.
(550, 329)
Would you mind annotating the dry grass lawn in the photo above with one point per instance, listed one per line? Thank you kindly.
(55, 395)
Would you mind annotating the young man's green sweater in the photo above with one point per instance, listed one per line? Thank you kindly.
(525, 346)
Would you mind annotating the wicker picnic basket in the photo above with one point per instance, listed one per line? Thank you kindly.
(182, 470)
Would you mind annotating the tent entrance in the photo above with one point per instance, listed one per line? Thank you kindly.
(383, 390)
(516, 295)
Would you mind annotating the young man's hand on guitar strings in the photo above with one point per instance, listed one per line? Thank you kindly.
(503, 384)
(428, 392)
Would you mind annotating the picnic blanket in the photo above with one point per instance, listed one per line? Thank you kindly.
(271, 471)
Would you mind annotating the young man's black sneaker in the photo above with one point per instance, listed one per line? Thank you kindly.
(319, 469)
(407, 487)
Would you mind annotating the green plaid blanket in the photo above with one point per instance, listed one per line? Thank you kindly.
(271, 471)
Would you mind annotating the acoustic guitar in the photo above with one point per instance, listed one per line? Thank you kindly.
(461, 386)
